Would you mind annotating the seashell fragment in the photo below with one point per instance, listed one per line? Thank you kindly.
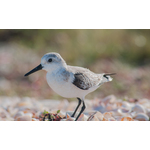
(104, 119)
(109, 107)
(70, 113)
(100, 108)
(12, 111)
(96, 116)
(148, 112)
(19, 114)
(29, 114)
(91, 117)
(24, 118)
(4, 113)
(127, 119)
(118, 118)
(83, 117)
(138, 108)
(111, 119)
(126, 105)
(34, 119)
(61, 114)
(109, 99)
(141, 117)
(143, 101)
(25, 103)
(68, 118)
(99, 115)
(107, 115)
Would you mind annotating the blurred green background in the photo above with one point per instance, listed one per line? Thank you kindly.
(126, 52)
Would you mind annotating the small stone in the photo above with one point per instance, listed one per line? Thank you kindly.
(107, 115)
(148, 112)
(111, 119)
(4, 113)
(118, 118)
(68, 119)
(83, 117)
(61, 114)
(138, 109)
(19, 114)
(96, 116)
(109, 99)
(141, 117)
(127, 119)
(126, 105)
(24, 104)
(100, 108)
(24, 118)
(34, 119)
(143, 101)
(29, 114)
(99, 115)
(37, 114)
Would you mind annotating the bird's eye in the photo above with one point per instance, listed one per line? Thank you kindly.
(50, 60)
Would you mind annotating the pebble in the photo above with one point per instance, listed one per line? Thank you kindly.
(34, 119)
(141, 117)
(101, 108)
(107, 109)
(138, 108)
(126, 105)
(99, 115)
(107, 115)
(109, 99)
(24, 118)
(94, 118)
(19, 114)
(83, 118)
(127, 119)
(28, 114)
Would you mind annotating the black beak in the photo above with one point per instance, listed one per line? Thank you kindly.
(39, 67)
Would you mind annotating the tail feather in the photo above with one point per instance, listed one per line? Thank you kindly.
(109, 74)
(107, 78)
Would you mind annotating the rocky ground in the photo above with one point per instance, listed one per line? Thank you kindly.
(108, 109)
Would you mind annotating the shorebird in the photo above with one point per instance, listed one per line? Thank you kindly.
(70, 81)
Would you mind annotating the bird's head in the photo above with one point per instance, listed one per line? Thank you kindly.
(49, 62)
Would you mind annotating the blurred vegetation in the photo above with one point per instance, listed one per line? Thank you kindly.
(121, 51)
(130, 46)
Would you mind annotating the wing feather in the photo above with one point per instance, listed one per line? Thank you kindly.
(82, 81)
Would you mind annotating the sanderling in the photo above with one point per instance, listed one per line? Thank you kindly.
(70, 81)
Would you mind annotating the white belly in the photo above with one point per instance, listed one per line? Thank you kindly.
(66, 88)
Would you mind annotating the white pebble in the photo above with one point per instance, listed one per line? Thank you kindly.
(24, 118)
(141, 117)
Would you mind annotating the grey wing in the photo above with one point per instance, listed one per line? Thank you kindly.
(86, 79)
(85, 82)
(82, 81)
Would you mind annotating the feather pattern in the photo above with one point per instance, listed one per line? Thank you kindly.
(86, 79)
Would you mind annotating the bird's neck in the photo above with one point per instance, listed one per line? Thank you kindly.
(58, 69)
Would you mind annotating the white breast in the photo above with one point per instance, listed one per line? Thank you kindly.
(64, 87)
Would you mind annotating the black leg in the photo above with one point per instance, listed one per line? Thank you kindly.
(49, 117)
(79, 103)
(44, 118)
(82, 109)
